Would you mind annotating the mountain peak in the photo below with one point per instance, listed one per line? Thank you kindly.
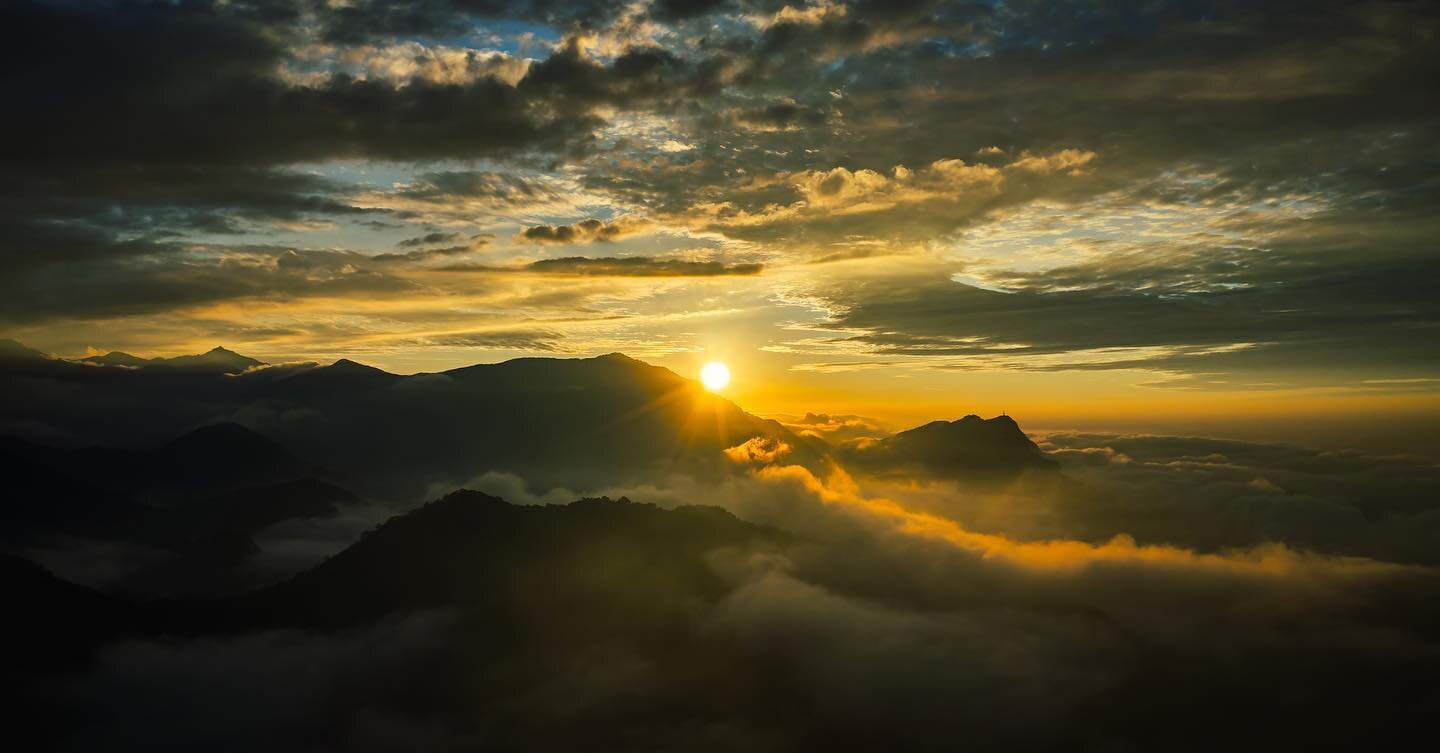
(14, 349)
(341, 377)
(116, 358)
(345, 364)
(968, 447)
(228, 452)
(226, 434)
(218, 358)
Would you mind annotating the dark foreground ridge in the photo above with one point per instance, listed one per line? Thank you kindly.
(613, 560)
(184, 512)
(473, 624)
(492, 602)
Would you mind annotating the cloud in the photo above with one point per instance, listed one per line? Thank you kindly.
(1236, 320)
(585, 231)
(641, 266)
(885, 621)
(833, 428)
(1215, 493)
(1266, 167)
(758, 450)
(429, 239)
(503, 188)
(510, 339)
(169, 278)
(780, 116)
(403, 62)
(843, 206)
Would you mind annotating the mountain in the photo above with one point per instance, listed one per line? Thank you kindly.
(580, 424)
(610, 561)
(207, 460)
(51, 625)
(971, 448)
(116, 358)
(222, 456)
(11, 350)
(46, 491)
(188, 509)
(216, 360)
(344, 375)
(576, 423)
(252, 508)
(465, 612)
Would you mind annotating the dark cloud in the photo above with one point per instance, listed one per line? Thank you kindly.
(585, 231)
(1239, 311)
(781, 116)
(450, 185)
(142, 129)
(641, 266)
(429, 239)
(363, 20)
(542, 340)
(197, 83)
(158, 279)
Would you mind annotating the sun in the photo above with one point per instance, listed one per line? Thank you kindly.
(715, 375)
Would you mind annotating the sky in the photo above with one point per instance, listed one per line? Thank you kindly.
(1205, 217)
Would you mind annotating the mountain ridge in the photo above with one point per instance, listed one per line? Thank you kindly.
(576, 423)
(969, 448)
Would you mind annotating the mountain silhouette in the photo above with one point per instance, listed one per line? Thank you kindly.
(216, 360)
(221, 456)
(43, 492)
(612, 560)
(583, 423)
(11, 350)
(198, 499)
(576, 423)
(971, 448)
(467, 550)
(52, 625)
(116, 358)
(507, 602)
(204, 461)
(343, 375)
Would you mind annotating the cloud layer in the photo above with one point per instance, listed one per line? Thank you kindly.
(1223, 195)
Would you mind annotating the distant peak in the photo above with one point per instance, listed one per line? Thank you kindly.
(224, 436)
(15, 349)
(972, 418)
(116, 358)
(222, 429)
(341, 374)
(617, 356)
(217, 358)
(349, 365)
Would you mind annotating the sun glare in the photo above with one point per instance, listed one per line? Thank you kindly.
(715, 375)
